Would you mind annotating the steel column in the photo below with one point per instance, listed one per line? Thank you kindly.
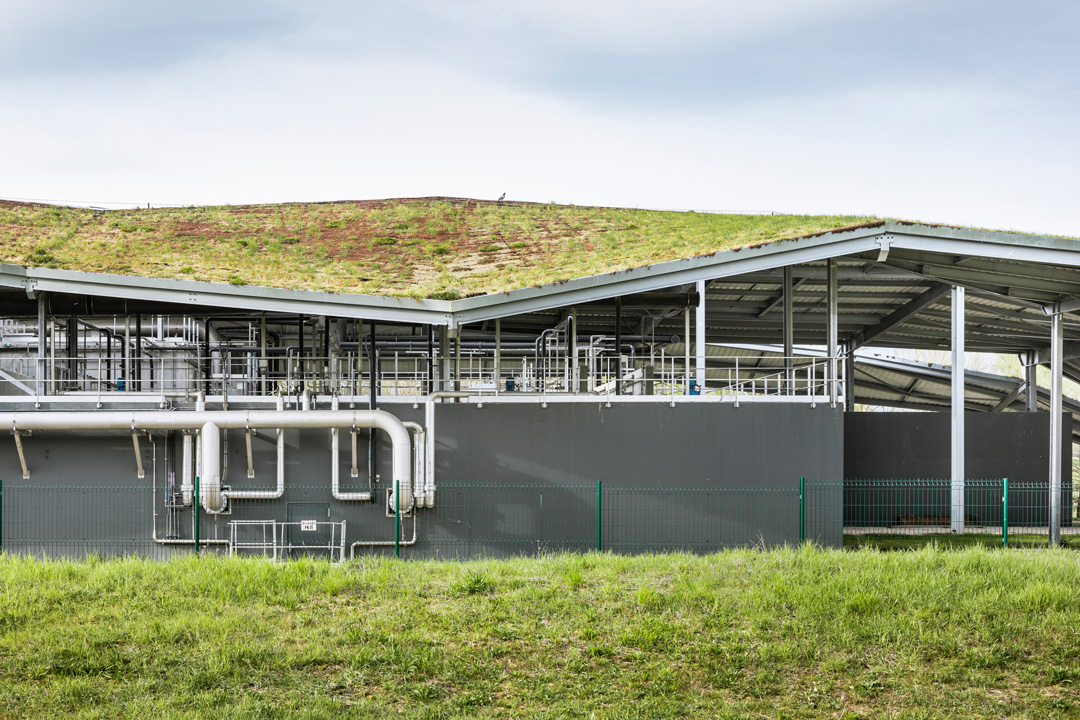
(789, 322)
(1056, 343)
(833, 333)
(957, 408)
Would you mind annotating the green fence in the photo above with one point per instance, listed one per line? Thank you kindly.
(496, 520)
(891, 513)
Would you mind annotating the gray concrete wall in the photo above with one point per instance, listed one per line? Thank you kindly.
(512, 478)
(909, 446)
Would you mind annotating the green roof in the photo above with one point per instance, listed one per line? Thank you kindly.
(425, 247)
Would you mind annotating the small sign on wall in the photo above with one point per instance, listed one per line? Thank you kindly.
(308, 525)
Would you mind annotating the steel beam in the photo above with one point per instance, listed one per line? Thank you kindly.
(958, 478)
(901, 314)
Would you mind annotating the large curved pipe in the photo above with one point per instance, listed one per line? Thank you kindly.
(210, 482)
(401, 452)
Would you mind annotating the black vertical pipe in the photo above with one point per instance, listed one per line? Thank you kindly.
(618, 346)
(72, 347)
(373, 383)
(431, 358)
(137, 374)
(300, 332)
(206, 358)
(108, 357)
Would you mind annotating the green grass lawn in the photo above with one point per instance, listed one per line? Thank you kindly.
(745, 634)
(419, 248)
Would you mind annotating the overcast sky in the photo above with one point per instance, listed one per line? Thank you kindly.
(955, 111)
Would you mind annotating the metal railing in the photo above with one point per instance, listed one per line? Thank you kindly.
(244, 372)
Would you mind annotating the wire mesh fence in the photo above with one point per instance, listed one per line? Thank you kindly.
(907, 513)
(497, 520)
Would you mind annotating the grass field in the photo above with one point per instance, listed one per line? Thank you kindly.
(419, 248)
(788, 633)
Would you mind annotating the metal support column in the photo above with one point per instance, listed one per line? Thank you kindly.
(957, 407)
(699, 338)
(789, 324)
(1056, 361)
(833, 333)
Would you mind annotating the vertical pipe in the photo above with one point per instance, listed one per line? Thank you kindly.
(397, 518)
(833, 334)
(498, 352)
(1005, 512)
(42, 386)
(128, 385)
(1056, 345)
(1031, 391)
(699, 338)
(457, 359)
(789, 324)
(300, 332)
(263, 365)
(599, 514)
(957, 410)
(849, 379)
(802, 509)
(373, 399)
(618, 346)
(195, 509)
(136, 373)
(686, 348)
(432, 364)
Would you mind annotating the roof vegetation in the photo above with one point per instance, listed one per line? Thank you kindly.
(424, 247)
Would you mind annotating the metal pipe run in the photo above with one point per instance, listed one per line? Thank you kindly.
(211, 421)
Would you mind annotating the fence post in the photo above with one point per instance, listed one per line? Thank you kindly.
(599, 503)
(397, 518)
(802, 509)
(1005, 512)
(195, 509)
(1, 515)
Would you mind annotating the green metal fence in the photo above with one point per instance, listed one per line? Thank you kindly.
(906, 513)
(493, 520)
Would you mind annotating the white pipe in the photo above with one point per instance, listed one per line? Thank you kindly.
(419, 455)
(187, 486)
(210, 480)
(429, 445)
(335, 466)
(401, 452)
(279, 488)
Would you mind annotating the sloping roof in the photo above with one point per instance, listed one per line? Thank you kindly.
(440, 248)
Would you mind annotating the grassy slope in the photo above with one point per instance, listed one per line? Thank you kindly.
(415, 248)
(791, 633)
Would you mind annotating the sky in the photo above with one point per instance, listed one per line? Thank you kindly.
(951, 111)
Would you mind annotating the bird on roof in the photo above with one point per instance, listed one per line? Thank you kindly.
(501, 197)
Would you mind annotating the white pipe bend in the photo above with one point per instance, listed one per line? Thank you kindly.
(210, 441)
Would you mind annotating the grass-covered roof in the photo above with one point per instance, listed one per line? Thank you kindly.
(428, 247)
